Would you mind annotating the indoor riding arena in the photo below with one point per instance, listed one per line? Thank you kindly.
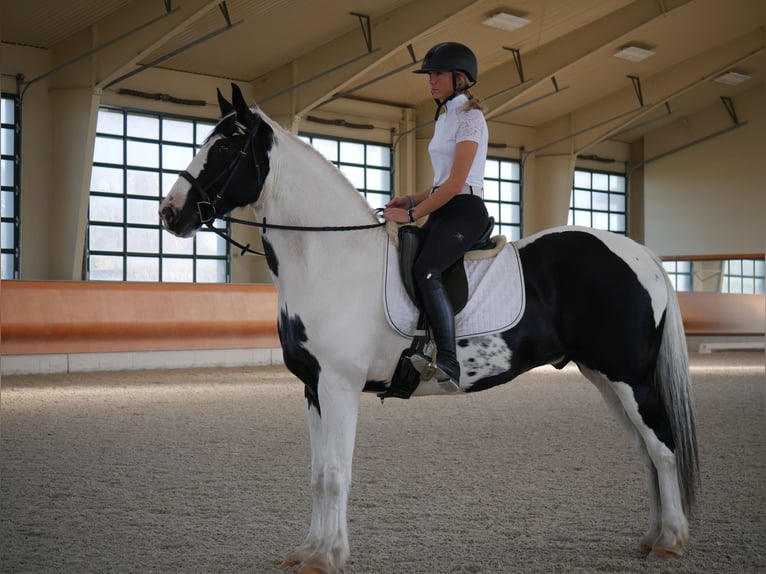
(189, 398)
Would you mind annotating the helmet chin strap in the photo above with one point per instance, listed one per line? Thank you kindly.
(455, 91)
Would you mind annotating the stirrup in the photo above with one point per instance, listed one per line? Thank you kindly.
(428, 370)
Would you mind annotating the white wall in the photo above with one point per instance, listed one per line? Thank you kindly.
(709, 198)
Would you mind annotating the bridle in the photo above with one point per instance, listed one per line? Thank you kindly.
(206, 207)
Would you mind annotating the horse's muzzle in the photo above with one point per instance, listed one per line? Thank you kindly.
(172, 221)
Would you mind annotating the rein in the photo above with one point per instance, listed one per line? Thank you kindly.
(263, 225)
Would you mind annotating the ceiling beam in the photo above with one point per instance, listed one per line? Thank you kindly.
(568, 50)
(665, 86)
(391, 33)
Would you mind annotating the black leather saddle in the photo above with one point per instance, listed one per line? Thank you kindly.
(411, 240)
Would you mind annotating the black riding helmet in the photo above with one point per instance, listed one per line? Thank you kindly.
(450, 57)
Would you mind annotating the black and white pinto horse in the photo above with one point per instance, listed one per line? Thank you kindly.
(597, 299)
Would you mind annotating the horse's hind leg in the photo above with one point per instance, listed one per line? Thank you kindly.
(615, 406)
(668, 528)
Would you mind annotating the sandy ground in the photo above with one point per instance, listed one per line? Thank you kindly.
(208, 470)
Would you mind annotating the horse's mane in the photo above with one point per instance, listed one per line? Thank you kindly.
(294, 162)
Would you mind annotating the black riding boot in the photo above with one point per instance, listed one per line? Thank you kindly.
(442, 319)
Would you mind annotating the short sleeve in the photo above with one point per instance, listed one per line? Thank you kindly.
(470, 126)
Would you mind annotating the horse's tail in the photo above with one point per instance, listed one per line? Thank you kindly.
(673, 380)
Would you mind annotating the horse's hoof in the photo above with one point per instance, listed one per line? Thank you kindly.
(667, 553)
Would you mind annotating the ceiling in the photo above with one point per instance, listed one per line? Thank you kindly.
(561, 64)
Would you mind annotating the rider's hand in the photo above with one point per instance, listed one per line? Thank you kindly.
(400, 202)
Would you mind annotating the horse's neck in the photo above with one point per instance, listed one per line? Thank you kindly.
(305, 190)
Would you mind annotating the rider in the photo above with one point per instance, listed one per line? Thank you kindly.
(458, 216)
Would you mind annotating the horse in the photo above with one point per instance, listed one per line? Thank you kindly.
(597, 299)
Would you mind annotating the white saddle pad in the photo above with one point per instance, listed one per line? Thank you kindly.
(496, 296)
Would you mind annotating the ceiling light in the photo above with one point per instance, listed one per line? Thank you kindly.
(506, 21)
(732, 78)
(633, 53)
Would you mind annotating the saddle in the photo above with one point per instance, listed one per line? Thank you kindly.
(411, 238)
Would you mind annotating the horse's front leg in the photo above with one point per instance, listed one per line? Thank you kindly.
(332, 426)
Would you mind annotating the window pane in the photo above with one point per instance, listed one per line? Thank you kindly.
(143, 240)
(176, 157)
(143, 154)
(616, 222)
(582, 179)
(6, 141)
(176, 245)
(491, 190)
(6, 205)
(6, 233)
(144, 183)
(106, 179)
(141, 126)
(328, 148)
(106, 209)
(616, 202)
(177, 131)
(105, 267)
(600, 220)
(102, 238)
(109, 122)
(143, 269)
(351, 152)
(142, 211)
(600, 201)
(355, 175)
(203, 131)
(211, 271)
(6, 173)
(107, 150)
(7, 114)
(600, 181)
(378, 179)
(617, 183)
(6, 266)
(582, 199)
(378, 155)
(178, 270)
(377, 200)
(582, 218)
(208, 243)
(492, 169)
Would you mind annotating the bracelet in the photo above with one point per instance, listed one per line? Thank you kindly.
(412, 201)
(409, 214)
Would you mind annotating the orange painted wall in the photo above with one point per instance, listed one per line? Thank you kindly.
(45, 317)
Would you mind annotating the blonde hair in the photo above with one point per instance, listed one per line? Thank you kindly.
(462, 83)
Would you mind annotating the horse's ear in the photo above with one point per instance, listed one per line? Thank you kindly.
(244, 115)
(226, 107)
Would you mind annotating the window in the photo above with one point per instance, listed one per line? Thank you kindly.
(136, 159)
(599, 201)
(743, 276)
(502, 196)
(10, 168)
(367, 165)
(680, 273)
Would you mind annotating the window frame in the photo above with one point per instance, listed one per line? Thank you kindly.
(128, 142)
(14, 190)
(576, 212)
(495, 206)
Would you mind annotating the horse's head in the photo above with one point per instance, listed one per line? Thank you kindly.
(228, 171)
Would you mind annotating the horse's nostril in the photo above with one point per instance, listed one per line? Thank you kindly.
(168, 214)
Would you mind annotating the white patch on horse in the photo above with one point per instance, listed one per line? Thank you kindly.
(482, 357)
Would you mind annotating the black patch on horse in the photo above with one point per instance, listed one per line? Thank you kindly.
(271, 256)
(299, 361)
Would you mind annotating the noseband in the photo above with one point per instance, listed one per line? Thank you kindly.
(206, 207)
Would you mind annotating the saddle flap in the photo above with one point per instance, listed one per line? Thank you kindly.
(411, 238)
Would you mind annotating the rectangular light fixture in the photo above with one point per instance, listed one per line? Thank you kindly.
(506, 21)
(732, 78)
(633, 53)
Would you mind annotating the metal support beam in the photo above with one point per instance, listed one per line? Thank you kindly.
(632, 127)
(174, 53)
(97, 49)
(319, 75)
(517, 60)
(637, 88)
(582, 131)
(367, 83)
(729, 105)
(530, 102)
(225, 11)
(364, 22)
